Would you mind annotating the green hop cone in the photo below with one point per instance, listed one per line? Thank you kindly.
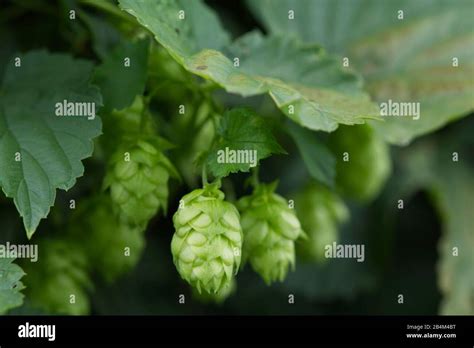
(58, 282)
(113, 246)
(138, 181)
(320, 211)
(198, 122)
(129, 123)
(270, 231)
(122, 248)
(217, 298)
(207, 244)
(162, 66)
(368, 164)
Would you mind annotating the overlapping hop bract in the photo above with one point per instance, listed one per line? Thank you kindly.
(207, 244)
(138, 171)
(59, 282)
(113, 246)
(270, 229)
(218, 297)
(320, 211)
(138, 180)
(362, 174)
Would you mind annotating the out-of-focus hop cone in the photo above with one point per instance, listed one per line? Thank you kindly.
(320, 212)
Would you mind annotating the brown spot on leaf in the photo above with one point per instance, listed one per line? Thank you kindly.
(201, 67)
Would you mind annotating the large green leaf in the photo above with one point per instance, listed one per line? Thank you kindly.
(245, 136)
(10, 285)
(407, 60)
(39, 151)
(115, 73)
(199, 29)
(309, 86)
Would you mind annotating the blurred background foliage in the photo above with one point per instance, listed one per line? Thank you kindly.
(408, 251)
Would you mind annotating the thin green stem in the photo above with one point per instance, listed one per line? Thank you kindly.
(204, 175)
(144, 115)
(255, 182)
(109, 8)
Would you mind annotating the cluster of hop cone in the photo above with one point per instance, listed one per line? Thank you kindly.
(212, 236)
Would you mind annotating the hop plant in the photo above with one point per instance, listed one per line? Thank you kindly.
(320, 211)
(138, 181)
(113, 246)
(59, 281)
(127, 124)
(198, 122)
(217, 298)
(122, 248)
(270, 230)
(207, 244)
(368, 164)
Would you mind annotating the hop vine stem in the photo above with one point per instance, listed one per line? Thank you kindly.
(110, 9)
(254, 180)
(204, 175)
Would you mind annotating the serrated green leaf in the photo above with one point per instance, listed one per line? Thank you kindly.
(309, 86)
(120, 84)
(10, 285)
(319, 161)
(51, 147)
(306, 84)
(245, 134)
(408, 60)
(182, 27)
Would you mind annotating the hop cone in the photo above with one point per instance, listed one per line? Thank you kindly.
(129, 123)
(139, 182)
(61, 271)
(368, 165)
(218, 297)
(113, 246)
(207, 244)
(270, 230)
(319, 211)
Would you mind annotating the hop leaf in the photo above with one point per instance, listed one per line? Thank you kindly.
(59, 282)
(10, 285)
(27, 111)
(241, 129)
(270, 230)
(207, 244)
(138, 181)
(319, 211)
(368, 164)
(130, 123)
